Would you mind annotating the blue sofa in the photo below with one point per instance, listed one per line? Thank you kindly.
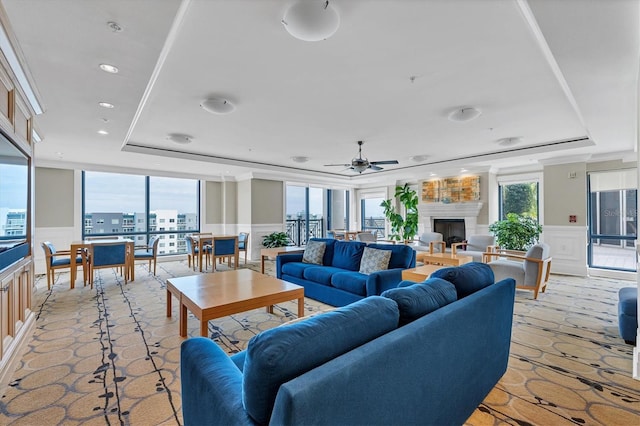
(361, 363)
(337, 281)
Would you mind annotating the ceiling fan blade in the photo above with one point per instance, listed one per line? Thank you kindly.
(342, 164)
(384, 162)
(374, 167)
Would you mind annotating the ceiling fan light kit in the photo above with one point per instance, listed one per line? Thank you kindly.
(311, 20)
(217, 106)
(360, 164)
(464, 114)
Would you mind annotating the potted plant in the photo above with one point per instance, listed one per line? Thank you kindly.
(403, 228)
(275, 239)
(516, 232)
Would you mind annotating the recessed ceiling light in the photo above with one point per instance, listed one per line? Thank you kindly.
(463, 170)
(217, 106)
(180, 138)
(419, 158)
(109, 68)
(103, 132)
(509, 141)
(464, 114)
(300, 159)
(433, 174)
(106, 105)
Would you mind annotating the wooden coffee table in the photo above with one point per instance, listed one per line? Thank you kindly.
(267, 253)
(443, 258)
(210, 296)
(420, 273)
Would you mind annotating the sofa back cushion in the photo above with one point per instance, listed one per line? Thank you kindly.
(419, 299)
(278, 355)
(467, 278)
(347, 254)
(328, 249)
(402, 256)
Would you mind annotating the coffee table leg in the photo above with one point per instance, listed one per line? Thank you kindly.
(301, 307)
(183, 320)
(168, 304)
(270, 309)
(204, 328)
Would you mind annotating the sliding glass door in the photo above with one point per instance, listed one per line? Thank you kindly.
(613, 219)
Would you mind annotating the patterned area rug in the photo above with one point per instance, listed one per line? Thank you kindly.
(111, 356)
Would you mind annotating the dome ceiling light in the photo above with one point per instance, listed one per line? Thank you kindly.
(300, 159)
(311, 20)
(464, 114)
(217, 106)
(419, 158)
(180, 138)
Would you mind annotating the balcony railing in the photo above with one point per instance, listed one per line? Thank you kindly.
(297, 230)
(373, 224)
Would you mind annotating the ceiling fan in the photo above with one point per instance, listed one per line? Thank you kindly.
(360, 164)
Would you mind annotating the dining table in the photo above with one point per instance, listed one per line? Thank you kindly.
(82, 246)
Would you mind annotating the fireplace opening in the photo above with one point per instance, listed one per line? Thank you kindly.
(452, 230)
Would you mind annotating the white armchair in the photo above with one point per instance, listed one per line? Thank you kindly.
(530, 269)
(475, 246)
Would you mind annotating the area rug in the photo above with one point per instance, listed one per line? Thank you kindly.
(111, 356)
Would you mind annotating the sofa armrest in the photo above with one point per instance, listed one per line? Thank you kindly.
(281, 259)
(383, 280)
(211, 385)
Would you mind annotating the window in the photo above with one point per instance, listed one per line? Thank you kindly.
(305, 213)
(124, 200)
(520, 198)
(372, 215)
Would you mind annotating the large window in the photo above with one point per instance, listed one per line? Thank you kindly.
(305, 213)
(138, 207)
(372, 215)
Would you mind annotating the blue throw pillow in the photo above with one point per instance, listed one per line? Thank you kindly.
(347, 255)
(419, 299)
(467, 278)
(278, 355)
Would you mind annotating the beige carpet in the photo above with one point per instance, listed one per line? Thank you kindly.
(111, 356)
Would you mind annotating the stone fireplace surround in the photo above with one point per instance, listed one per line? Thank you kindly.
(468, 211)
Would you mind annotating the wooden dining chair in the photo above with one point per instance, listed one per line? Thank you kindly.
(115, 254)
(224, 248)
(148, 252)
(243, 243)
(61, 260)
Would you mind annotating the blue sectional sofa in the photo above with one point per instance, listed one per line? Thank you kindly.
(337, 281)
(425, 353)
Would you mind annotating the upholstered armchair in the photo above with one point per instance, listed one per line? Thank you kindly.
(475, 246)
(148, 252)
(61, 260)
(243, 243)
(530, 269)
(366, 237)
(110, 255)
(431, 242)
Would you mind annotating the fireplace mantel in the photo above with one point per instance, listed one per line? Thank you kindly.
(468, 211)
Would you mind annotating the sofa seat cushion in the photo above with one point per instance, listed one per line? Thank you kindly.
(353, 282)
(422, 298)
(347, 255)
(507, 268)
(296, 269)
(280, 354)
(467, 278)
(320, 274)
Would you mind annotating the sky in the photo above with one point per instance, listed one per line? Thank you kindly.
(13, 186)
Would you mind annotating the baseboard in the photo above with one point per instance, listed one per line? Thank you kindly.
(15, 351)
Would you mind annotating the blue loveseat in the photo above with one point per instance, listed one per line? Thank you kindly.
(337, 281)
(429, 353)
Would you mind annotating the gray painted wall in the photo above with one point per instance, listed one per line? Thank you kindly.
(267, 201)
(54, 198)
(244, 202)
(564, 196)
(213, 202)
(230, 202)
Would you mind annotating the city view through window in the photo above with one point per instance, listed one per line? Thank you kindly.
(13, 201)
(138, 207)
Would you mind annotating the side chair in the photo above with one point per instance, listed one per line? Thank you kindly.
(243, 243)
(148, 252)
(193, 252)
(60, 260)
(225, 247)
(110, 255)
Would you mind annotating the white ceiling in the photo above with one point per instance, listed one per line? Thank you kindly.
(546, 71)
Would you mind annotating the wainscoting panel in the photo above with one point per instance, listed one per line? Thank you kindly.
(568, 249)
(257, 233)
